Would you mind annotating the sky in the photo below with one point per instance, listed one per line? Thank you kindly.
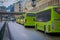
(8, 2)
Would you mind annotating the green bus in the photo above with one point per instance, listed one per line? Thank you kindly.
(30, 19)
(17, 19)
(20, 19)
(48, 20)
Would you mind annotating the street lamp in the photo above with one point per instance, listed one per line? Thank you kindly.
(33, 3)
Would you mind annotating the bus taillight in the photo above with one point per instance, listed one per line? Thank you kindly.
(57, 10)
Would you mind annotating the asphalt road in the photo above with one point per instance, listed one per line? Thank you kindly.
(19, 32)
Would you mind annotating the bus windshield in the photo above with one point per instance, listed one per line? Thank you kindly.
(21, 17)
(44, 16)
(31, 15)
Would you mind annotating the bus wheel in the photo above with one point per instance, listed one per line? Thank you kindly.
(44, 28)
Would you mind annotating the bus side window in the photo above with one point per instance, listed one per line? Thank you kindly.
(44, 16)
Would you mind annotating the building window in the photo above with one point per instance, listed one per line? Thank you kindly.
(19, 7)
(19, 4)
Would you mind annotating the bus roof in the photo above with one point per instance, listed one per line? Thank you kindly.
(49, 7)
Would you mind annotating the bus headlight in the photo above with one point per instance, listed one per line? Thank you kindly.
(21, 20)
(18, 19)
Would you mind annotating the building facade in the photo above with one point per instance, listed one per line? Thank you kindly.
(26, 5)
(18, 7)
(23, 6)
(41, 4)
